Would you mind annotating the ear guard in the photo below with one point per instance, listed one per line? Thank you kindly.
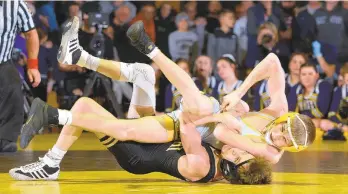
(230, 170)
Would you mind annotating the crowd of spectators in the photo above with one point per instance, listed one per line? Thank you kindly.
(218, 43)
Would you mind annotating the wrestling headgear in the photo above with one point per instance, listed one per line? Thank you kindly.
(289, 119)
(229, 170)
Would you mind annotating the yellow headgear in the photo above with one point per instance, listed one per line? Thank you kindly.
(288, 118)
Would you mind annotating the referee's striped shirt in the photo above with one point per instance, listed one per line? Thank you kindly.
(14, 17)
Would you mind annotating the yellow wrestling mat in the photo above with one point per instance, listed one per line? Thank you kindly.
(89, 168)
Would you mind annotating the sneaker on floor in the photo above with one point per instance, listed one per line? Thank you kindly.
(70, 50)
(37, 118)
(334, 134)
(139, 39)
(35, 171)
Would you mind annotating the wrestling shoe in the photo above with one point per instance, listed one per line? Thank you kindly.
(139, 39)
(35, 171)
(70, 50)
(37, 118)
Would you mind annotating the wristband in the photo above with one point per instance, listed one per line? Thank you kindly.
(33, 64)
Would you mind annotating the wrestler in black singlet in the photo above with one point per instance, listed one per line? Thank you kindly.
(144, 158)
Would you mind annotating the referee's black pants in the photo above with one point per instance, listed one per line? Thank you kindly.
(11, 102)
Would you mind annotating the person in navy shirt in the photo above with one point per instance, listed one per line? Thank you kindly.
(312, 96)
(337, 122)
(203, 79)
(293, 78)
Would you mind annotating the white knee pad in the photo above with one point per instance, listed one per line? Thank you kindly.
(142, 98)
(143, 78)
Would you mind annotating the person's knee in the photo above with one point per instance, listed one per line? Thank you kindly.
(82, 105)
(126, 135)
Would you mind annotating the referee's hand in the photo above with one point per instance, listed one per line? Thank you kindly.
(34, 77)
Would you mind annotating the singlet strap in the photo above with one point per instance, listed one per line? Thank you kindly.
(262, 115)
(212, 169)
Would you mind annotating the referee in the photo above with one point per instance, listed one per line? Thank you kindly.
(14, 18)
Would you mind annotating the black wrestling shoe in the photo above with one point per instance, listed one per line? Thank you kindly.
(334, 134)
(139, 39)
(37, 118)
(70, 50)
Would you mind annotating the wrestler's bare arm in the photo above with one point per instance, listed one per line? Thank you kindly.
(227, 118)
(271, 69)
(195, 164)
(235, 140)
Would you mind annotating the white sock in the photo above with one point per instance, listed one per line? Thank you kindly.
(64, 117)
(88, 61)
(54, 156)
(153, 53)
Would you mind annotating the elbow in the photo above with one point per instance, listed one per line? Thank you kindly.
(274, 160)
(219, 133)
(31, 34)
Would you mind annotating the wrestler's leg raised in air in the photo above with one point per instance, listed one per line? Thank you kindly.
(194, 102)
(141, 75)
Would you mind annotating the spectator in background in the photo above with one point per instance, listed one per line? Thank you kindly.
(20, 43)
(165, 25)
(240, 27)
(203, 75)
(191, 11)
(313, 6)
(171, 93)
(73, 10)
(107, 7)
(326, 55)
(345, 5)
(214, 8)
(223, 40)
(331, 24)
(312, 96)
(147, 14)
(261, 12)
(337, 121)
(47, 16)
(287, 18)
(183, 43)
(293, 78)
(305, 28)
(267, 38)
(227, 71)
(47, 60)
